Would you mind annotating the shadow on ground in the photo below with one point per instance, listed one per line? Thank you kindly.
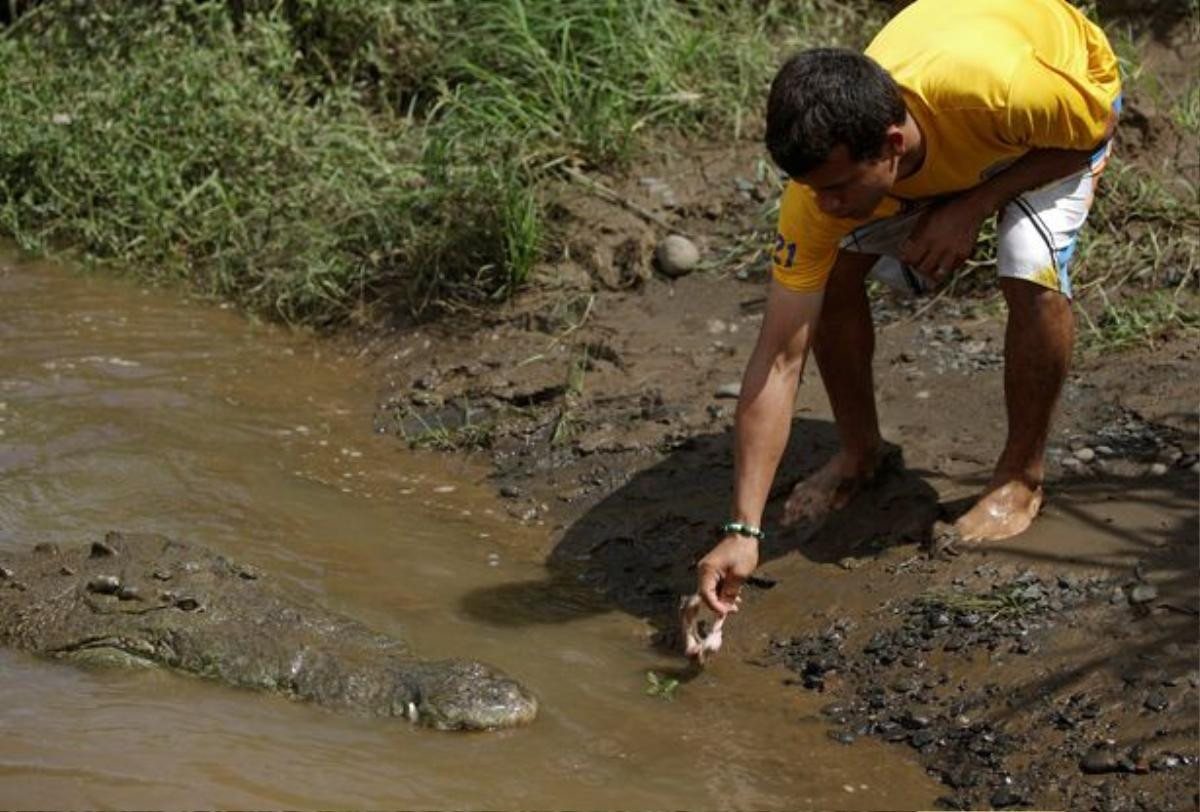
(636, 549)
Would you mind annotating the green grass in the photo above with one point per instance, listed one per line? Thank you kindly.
(1140, 319)
(325, 161)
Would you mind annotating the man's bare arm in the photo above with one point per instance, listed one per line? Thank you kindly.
(946, 235)
(768, 395)
(764, 419)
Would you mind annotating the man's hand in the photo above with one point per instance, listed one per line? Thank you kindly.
(720, 574)
(944, 236)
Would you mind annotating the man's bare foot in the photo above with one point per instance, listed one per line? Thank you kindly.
(1002, 512)
(833, 485)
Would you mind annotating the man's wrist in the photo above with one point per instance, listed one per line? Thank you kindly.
(987, 200)
(743, 529)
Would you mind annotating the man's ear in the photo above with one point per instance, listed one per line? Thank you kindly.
(894, 141)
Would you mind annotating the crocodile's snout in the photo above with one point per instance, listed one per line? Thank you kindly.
(467, 695)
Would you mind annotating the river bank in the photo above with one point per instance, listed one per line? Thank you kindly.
(1054, 670)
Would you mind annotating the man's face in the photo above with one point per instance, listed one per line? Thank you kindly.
(851, 189)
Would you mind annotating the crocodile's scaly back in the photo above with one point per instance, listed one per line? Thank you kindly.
(145, 600)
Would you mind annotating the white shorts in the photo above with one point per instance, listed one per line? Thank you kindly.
(1036, 235)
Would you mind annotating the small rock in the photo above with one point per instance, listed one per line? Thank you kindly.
(45, 548)
(248, 573)
(1004, 797)
(1104, 450)
(716, 327)
(102, 549)
(1085, 454)
(510, 492)
(1158, 469)
(128, 592)
(161, 575)
(187, 604)
(1100, 760)
(1164, 762)
(104, 584)
(677, 255)
(1156, 701)
(5, 573)
(921, 738)
(728, 390)
(1143, 593)
(842, 736)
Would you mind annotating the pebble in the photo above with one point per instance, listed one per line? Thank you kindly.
(1104, 450)
(677, 255)
(510, 492)
(104, 584)
(1005, 796)
(5, 573)
(1167, 761)
(128, 592)
(1085, 454)
(1158, 469)
(921, 738)
(728, 390)
(1143, 593)
(716, 327)
(101, 549)
(1156, 701)
(1100, 760)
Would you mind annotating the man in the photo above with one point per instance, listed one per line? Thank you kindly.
(957, 111)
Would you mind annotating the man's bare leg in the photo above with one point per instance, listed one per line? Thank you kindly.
(1037, 354)
(844, 346)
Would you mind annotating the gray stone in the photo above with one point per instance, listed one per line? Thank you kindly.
(677, 255)
(729, 390)
(1085, 454)
(1101, 760)
(1143, 593)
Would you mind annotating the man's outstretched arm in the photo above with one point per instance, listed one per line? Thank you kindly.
(764, 418)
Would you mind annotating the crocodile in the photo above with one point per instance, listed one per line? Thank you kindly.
(144, 600)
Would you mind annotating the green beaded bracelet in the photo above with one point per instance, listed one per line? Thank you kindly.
(743, 530)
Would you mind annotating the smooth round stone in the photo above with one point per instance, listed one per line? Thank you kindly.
(1085, 454)
(677, 255)
(1143, 593)
(104, 584)
(729, 390)
(1158, 469)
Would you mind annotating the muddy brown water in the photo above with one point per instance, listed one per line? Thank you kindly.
(135, 409)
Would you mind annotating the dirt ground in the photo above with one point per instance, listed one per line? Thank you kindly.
(1055, 670)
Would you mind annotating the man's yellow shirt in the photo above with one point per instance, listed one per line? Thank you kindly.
(986, 81)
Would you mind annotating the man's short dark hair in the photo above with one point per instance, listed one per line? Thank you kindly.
(828, 96)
